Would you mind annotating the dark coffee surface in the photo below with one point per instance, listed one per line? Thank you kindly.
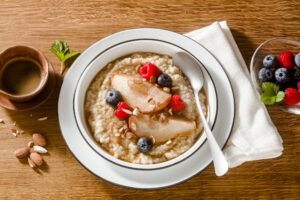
(21, 76)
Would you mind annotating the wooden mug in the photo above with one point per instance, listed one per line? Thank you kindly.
(26, 53)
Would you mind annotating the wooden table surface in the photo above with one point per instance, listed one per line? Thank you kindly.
(81, 23)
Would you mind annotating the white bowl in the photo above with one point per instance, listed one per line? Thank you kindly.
(112, 54)
(139, 178)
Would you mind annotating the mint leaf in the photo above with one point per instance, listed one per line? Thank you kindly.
(280, 96)
(62, 51)
(268, 100)
(70, 55)
(271, 94)
(270, 89)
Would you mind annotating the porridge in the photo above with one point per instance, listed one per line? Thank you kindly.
(141, 109)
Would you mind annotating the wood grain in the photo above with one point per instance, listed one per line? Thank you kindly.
(81, 23)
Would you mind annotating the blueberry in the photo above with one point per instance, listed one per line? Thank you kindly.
(270, 61)
(297, 60)
(113, 97)
(282, 75)
(265, 74)
(144, 144)
(164, 80)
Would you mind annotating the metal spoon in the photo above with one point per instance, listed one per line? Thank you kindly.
(192, 69)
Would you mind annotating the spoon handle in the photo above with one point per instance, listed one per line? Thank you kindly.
(220, 162)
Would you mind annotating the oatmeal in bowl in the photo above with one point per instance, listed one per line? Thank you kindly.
(141, 109)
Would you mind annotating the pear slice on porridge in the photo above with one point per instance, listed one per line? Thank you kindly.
(145, 126)
(140, 94)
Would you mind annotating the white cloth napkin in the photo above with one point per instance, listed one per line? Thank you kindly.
(254, 136)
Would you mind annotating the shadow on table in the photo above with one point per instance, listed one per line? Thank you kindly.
(179, 191)
(246, 46)
(47, 109)
(28, 122)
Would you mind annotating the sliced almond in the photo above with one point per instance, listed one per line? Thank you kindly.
(170, 111)
(31, 163)
(121, 129)
(36, 158)
(42, 118)
(40, 149)
(136, 111)
(22, 152)
(127, 111)
(166, 89)
(2, 121)
(39, 139)
(169, 142)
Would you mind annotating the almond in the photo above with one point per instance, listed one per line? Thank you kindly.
(36, 158)
(31, 163)
(39, 139)
(40, 149)
(30, 144)
(22, 152)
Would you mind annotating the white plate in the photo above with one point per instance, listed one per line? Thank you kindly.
(134, 178)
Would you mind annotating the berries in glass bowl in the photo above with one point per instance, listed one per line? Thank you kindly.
(275, 72)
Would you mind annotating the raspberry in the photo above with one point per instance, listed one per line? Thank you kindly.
(286, 59)
(298, 86)
(176, 104)
(148, 70)
(119, 113)
(292, 96)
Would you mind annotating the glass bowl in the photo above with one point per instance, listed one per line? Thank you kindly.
(273, 46)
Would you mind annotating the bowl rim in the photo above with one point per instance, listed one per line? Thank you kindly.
(89, 138)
